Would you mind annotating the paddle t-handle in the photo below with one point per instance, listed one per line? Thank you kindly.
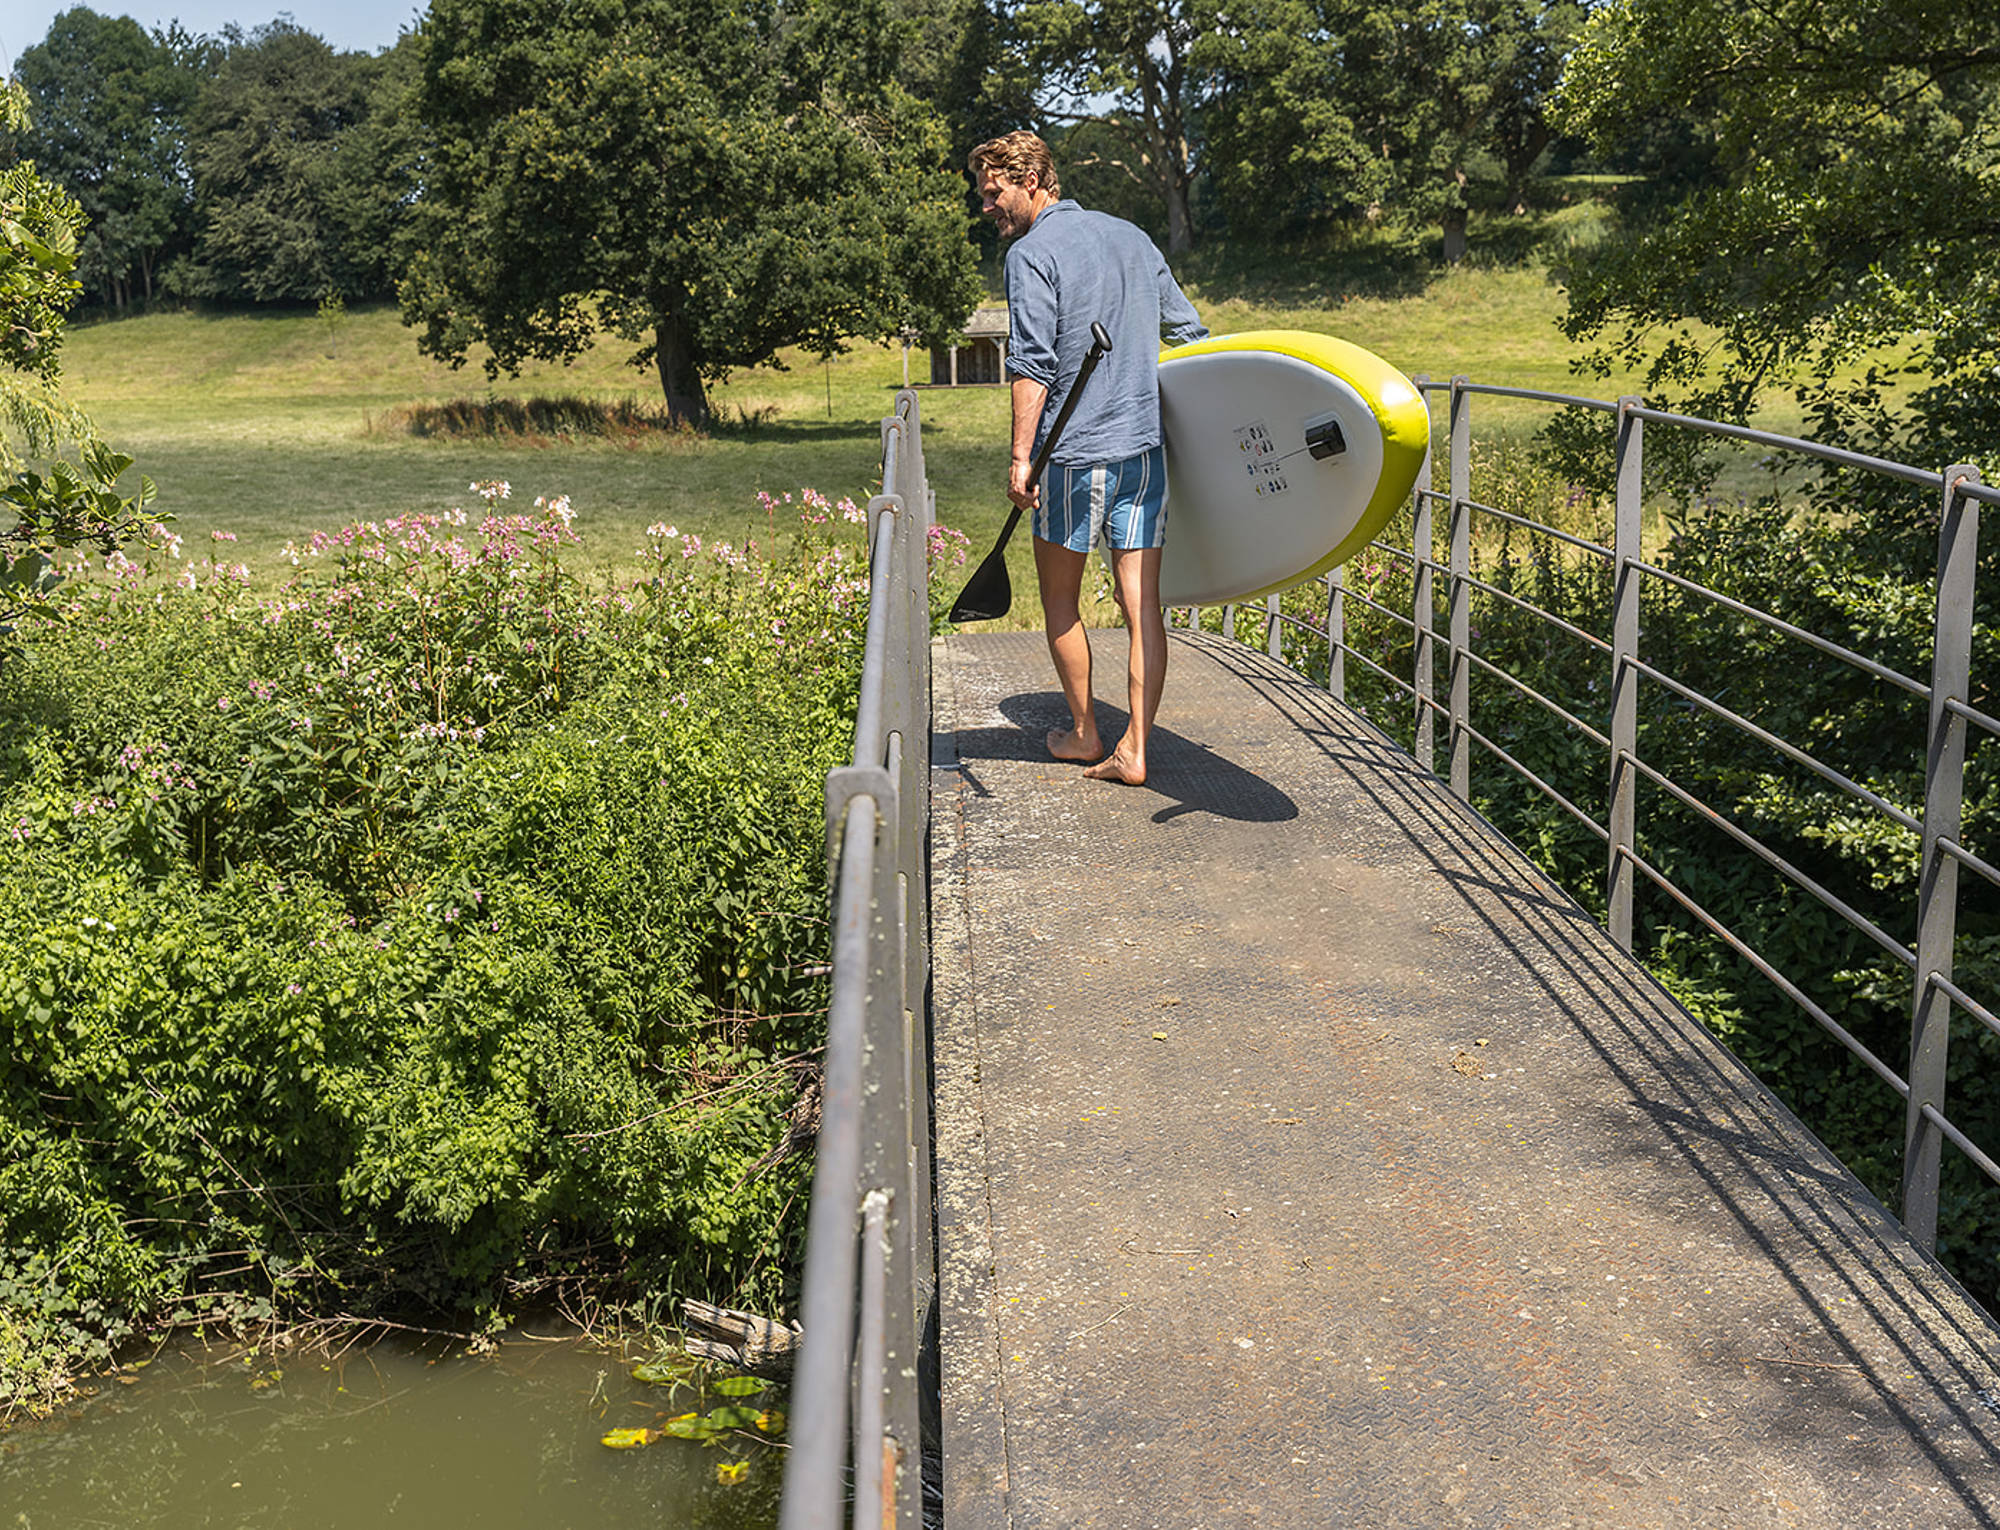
(989, 593)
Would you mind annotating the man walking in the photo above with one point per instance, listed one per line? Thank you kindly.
(1066, 269)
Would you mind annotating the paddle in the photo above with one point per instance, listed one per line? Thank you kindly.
(989, 593)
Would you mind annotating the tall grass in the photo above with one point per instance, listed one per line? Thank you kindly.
(542, 420)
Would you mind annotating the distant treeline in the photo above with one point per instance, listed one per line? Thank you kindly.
(264, 166)
(260, 167)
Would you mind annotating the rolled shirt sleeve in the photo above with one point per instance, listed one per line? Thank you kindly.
(1179, 323)
(1031, 323)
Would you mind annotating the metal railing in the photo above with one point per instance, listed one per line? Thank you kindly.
(1928, 959)
(870, 1264)
(857, 1415)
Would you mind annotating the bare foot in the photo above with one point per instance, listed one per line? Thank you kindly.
(1077, 748)
(1119, 767)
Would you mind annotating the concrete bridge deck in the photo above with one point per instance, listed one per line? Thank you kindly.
(1305, 1158)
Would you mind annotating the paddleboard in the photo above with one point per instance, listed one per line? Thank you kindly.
(1286, 453)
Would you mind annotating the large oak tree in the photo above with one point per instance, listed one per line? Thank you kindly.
(714, 180)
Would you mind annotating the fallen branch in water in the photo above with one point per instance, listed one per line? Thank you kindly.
(742, 1340)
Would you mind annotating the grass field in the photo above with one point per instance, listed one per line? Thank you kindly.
(270, 426)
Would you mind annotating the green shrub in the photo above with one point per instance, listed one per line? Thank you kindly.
(437, 928)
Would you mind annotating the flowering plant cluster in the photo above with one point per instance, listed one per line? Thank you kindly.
(473, 903)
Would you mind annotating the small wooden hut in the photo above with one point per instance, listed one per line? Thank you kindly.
(980, 358)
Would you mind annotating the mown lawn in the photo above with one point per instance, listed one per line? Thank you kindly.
(271, 426)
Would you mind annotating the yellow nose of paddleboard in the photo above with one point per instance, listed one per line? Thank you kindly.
(1286, 453)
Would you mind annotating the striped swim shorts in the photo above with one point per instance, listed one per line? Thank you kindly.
(1125, 503)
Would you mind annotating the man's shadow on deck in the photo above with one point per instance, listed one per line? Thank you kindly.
(1193, 777)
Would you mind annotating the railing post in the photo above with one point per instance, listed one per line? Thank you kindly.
(1625, 554)
(1937, 888)
(1423, 660)
(1336, 632)
(1229, 621)
(1461, 590)
(890, 1452)
(1274, 630)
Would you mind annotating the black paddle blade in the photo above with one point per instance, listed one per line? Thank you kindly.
(989, 593)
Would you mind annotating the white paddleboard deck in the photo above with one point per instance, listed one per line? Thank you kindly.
(1286, 453)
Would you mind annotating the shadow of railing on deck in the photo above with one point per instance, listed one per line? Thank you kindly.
(1636, 787)
(1679, 1076)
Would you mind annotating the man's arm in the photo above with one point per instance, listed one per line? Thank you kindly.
(1179, 323)
(1029, 397)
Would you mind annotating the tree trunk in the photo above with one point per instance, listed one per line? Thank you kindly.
(1180, 226)
(1454, 235)
(1519, 158)
(1163, 137)
(680, 379)
(742, 1340)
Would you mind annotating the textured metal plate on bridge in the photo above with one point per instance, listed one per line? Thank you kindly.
(1304, 1158)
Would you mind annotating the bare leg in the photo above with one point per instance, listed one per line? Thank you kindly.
(1137, 574)
(1060, 574)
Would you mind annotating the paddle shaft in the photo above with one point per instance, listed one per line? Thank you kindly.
(1100, 342)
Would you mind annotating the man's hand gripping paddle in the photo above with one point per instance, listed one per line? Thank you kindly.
(989, 593)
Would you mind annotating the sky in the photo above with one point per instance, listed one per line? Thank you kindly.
(364, 26)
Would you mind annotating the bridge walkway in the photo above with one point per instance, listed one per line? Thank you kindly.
(1305, 1158)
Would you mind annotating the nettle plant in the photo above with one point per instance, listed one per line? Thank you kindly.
(438, 926)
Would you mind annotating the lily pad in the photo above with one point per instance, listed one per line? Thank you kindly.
(653, 1374)
(627, 1439)
(739, 1386)
(691, 1426)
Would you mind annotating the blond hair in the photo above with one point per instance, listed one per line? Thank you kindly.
(1014, 157)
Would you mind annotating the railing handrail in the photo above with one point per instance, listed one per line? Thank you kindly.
(1925, 478)
(1960, 492)
(870, 1263)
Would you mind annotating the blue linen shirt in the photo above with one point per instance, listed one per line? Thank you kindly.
(1071, 268)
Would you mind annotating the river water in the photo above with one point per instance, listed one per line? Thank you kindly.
(386, 1434)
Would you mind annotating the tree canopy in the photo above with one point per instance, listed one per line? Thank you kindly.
(1293, 109)
(110, 104)
(1854, 205)
(69, 506)
(715, 181)
(1126, 65)
(296, 194)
